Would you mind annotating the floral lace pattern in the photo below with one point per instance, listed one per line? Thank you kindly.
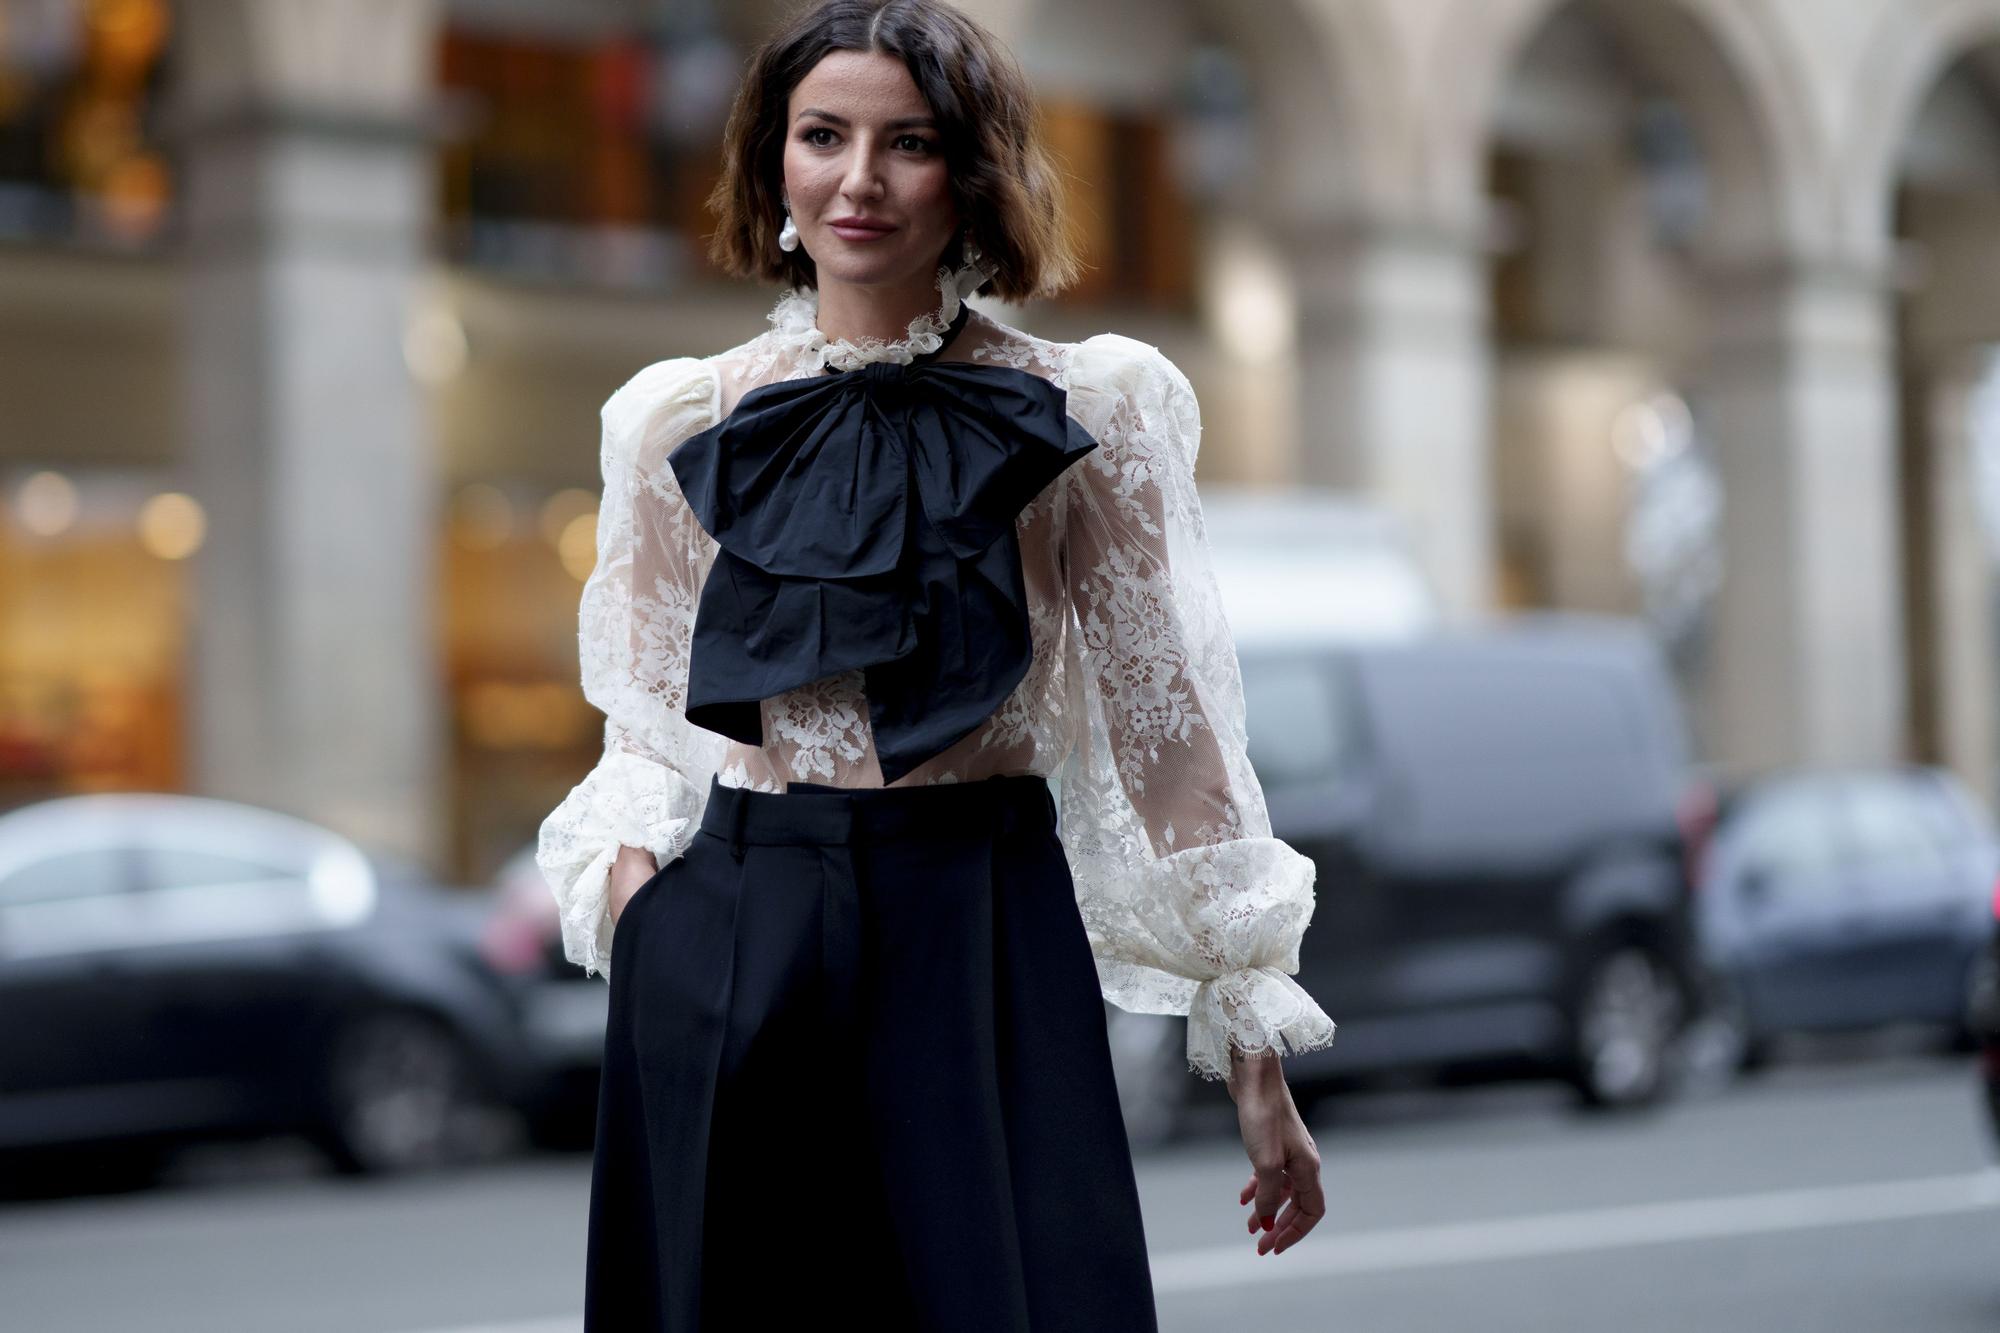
(823, 724)
(1132, 704)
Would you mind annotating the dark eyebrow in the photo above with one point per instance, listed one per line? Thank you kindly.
(907, 122)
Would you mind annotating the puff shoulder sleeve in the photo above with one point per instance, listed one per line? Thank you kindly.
(635, 622)
(1191, 905)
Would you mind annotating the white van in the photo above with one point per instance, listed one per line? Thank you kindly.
(1303, 565)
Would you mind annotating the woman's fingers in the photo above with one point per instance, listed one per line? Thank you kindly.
(1307, 1207)
(1258, 1219)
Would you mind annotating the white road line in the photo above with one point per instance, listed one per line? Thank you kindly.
(1323, 1254)
(572, 1324)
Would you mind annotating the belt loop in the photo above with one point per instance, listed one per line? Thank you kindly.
(736, 813)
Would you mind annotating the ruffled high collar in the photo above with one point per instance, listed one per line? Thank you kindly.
(794, 321)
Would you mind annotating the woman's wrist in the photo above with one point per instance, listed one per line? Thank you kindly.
(1251, 1071)
(636, 855)
(632, 865)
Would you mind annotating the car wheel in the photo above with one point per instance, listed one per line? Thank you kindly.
(1627, 1019)
(1962, 1034)
(1149, 1060)
(401, 1095)
(1737, 1046)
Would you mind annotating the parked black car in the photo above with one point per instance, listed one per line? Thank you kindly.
(1986, 1018)
(561, 1009)
(175, 968)
(1842, 900)
(1503, 820)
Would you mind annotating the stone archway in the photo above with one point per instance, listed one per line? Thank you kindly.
(1719, 58)
(1629, 152)
(1784, 357)
(1929, 173)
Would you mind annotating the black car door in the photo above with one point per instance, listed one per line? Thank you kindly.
(68, 1045)
(223, 979)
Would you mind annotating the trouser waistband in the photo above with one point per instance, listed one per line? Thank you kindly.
(811, 813)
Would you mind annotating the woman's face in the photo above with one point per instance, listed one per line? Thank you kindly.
(861, 144)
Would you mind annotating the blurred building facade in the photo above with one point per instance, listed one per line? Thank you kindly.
(1686, 308)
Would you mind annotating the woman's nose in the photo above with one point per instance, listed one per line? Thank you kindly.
(864, 175)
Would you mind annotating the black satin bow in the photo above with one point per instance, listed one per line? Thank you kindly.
(867, 519)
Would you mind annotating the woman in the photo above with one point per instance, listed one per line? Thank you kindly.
(865, 584)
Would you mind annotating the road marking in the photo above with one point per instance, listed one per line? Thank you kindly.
(1579, 1231)
(570, 1324)
(1322, 1255)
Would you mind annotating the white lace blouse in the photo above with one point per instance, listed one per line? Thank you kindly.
(1132, 703)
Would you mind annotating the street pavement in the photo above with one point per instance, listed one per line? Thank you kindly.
(1853, 1187)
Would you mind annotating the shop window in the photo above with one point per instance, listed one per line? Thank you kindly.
(81, 98)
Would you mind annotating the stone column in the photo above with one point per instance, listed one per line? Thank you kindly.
(1964, 414)
(1950, 361)
(1395, 374)
(1798, 398)
(305, 128)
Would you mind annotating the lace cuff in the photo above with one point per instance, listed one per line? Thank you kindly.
(1255, 1009)
(1213, 933)
(626, 800)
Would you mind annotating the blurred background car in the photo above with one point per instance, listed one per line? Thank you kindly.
(1503, 821)
(1839, 901)
(176, 968)
(1986, 1018)
(561, 1008)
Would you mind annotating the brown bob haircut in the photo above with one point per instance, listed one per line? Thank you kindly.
(1005, 183)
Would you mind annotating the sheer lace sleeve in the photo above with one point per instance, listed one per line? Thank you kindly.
(635, 621)
(1192, 907)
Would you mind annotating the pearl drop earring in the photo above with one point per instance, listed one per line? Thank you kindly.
(972, 267)
(788, 235)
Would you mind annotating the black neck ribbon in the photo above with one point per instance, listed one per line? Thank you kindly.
(866, 519)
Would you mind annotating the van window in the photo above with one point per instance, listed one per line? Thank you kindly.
(1480, 708)
(1515, 760)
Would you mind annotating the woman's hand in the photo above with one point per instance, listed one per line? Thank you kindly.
(1284, 1159)
(629, 874)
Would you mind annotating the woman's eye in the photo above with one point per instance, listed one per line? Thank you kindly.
(910, 142)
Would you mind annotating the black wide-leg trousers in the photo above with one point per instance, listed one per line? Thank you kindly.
(856, 1068)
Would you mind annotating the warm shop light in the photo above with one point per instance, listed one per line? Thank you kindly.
(510, 715)
(135, 194)
(127, 35)
(564, 508)
(577, 546)
(46, 504)
(172, 525)
(482, 517)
